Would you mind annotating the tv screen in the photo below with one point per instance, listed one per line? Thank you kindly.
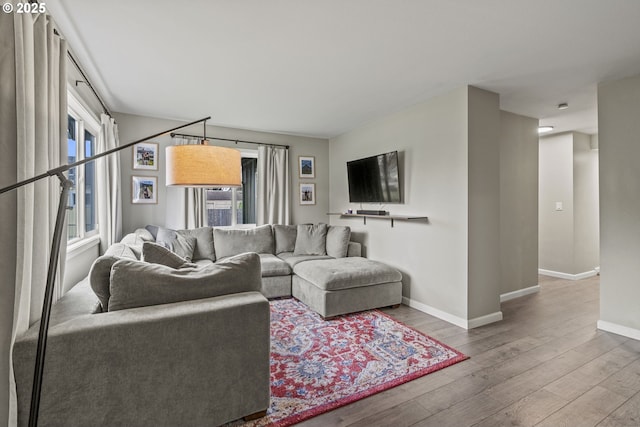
(374, 179)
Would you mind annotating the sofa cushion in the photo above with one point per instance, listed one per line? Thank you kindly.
(229, 242)
(138, 284)
(311, 239)
(346, 273)
(101, 270)
(338, 241)
(285, 237)
(158, 254)
(270, 265)
(136, 239)
(153, 229)
(178, 243)
(292, 259)
(273, 266)
(204, 242)
(202, 262)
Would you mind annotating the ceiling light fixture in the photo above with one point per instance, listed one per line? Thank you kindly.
(563, 106)
(544, 129)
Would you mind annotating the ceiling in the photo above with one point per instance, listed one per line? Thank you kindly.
(322, 68)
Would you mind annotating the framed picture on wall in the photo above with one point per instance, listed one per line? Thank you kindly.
(145, 156)
(307, 193)
(144, 189)
(307, 166)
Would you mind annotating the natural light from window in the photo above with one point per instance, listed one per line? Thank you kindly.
(82, 129)
(234, 206)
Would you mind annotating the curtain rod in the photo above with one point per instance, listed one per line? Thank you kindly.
(84, 76)
(86, 80)
(231, 140)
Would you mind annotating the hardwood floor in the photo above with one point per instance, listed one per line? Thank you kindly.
(545, 364)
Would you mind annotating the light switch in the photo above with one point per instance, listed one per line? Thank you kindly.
(559, 206)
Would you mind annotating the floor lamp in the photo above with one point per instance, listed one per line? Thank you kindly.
(198, 163)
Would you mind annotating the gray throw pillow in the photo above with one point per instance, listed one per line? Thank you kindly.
(153, 229)
(181, 245)
(311, 239)
(101, 270)
(234, 241)
(338, 241)
(204, 242)
(285, 236)
(158, 254)
(139, 284)
(136, 239)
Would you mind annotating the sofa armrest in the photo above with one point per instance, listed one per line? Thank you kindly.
(354, 249)
(198, 362)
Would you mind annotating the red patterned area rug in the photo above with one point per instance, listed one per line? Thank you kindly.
(319, 365)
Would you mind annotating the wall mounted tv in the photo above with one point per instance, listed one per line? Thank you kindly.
(374, 179)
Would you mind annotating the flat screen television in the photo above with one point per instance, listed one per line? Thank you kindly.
(374, 179)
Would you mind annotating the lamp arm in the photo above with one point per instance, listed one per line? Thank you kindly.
(65, 185)
(64, 168)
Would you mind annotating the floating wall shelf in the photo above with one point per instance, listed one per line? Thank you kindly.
(392, 218)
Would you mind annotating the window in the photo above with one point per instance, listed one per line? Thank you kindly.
(82, 129)
(233, 206)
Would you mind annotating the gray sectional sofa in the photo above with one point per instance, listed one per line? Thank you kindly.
(187, 361)
(173, 325)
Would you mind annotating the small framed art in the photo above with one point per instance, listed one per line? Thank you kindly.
(307, 194)
(144, 189)
(145, 156)
(307, 166)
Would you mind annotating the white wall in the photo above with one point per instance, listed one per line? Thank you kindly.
(586, 225)
(449, 172)
(432, 141)
(518, 202)
(619, 127)
(556, 186)
(80, 258)
(483, 141)
(132, 127)
(569, 239)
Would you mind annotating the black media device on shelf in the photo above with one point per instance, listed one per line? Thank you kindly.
(374, 179)
(368, 212)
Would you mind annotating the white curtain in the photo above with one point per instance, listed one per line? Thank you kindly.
(41, 116)
(195, 208)
(109, 193)
(274, 189)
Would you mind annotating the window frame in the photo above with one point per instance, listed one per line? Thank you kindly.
(244, 154)
(85, 120)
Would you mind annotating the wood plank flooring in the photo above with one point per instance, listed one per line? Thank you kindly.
(545, 364)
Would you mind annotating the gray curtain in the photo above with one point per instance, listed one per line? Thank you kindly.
(40, 121)
(274, 188)
(195, 208)
(109, 191)
(249, 197)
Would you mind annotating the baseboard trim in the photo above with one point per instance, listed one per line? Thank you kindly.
(614, 328)
(568, 276)
(458, 321)
(484, 320)
(519, 293)
(447, 317)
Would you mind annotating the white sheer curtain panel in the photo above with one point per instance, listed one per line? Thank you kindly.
(109, 190)
(274, 188)
(195, 207)
(41, 116)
